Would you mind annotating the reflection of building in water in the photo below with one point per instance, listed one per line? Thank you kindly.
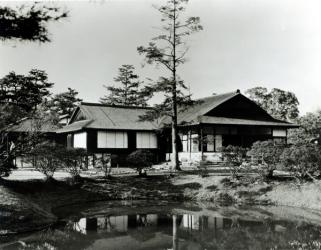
(179, 231)
(191, 221)
(142, 220)
(113, 223)
(195, 222)
(160, 223)
(215, 222)
(85, 224)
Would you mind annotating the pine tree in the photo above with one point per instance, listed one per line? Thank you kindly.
(128, 93)
(25, 91)
(28, 22)
(169, 49)
(20, 95)
(64, 103)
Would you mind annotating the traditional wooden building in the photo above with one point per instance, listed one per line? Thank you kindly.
(217, 121)
(115, 130)
(204, 128)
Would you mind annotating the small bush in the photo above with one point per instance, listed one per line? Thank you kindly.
(303, 160)
(141, 159)
(233, 157)
(72, 160)
(105, 162)
(47, 158)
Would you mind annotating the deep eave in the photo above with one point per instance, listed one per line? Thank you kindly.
(245, 122)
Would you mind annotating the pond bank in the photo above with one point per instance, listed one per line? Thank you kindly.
(28, 205)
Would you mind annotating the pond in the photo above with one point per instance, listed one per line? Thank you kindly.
(142, 225)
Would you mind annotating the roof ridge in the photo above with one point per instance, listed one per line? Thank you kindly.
(113, 106)
(218, 95)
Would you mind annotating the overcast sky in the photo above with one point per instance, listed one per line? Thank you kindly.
(245, 43)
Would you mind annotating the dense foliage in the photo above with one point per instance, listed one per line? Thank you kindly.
(21, 97)
(21, 94)
(28, 23)
(64, 103)
(129, 92)
(268, 153)
(310, 128)
(278, 103)
(303, 160)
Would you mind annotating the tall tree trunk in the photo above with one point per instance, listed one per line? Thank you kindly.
(175, 160)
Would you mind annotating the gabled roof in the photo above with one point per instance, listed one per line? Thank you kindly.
(100, 116)
(197, 113)
(202, 106)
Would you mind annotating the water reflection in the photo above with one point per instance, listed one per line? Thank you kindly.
(176, 231)
(172, 231)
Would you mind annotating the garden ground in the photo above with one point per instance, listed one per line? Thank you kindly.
(27, 203)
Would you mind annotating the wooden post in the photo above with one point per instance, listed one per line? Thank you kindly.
(190, 144)
(201, 142)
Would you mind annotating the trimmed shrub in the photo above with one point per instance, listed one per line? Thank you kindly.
(141, 159)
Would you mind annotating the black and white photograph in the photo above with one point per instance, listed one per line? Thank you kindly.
(160, 125)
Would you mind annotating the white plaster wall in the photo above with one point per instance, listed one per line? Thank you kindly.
(80, 140)
(279, 132)
(146, 140)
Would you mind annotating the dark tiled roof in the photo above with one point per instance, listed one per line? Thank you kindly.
(191, 113)
(99, 116)
(196, 114)
(203, 106)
